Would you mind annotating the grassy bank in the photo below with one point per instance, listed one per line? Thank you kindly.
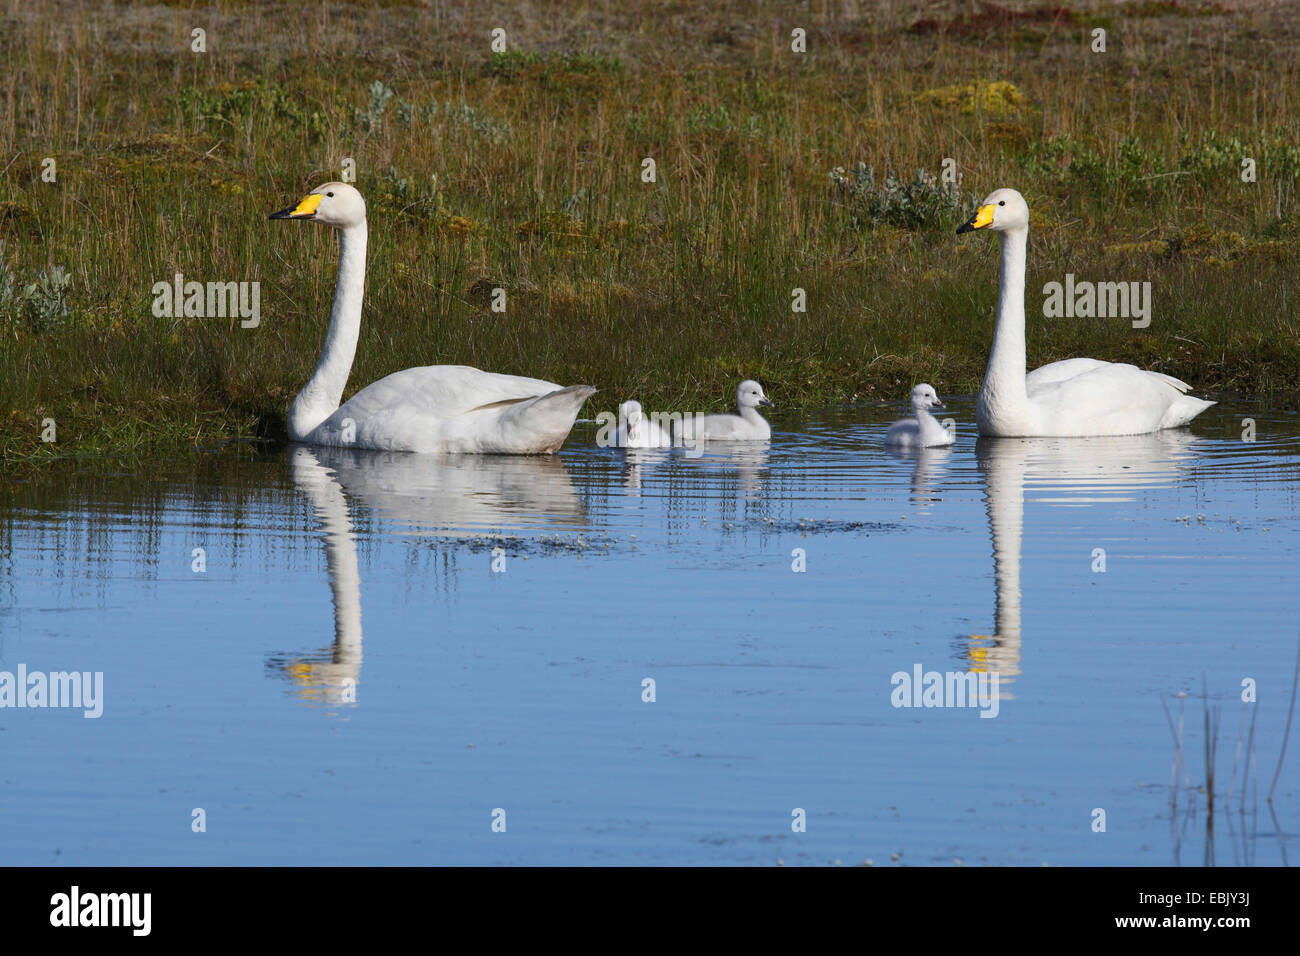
(523, 170)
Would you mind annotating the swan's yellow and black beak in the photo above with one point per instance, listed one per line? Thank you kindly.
(304, 210)
(983, 217)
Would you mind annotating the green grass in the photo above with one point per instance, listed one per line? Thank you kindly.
(522, 170)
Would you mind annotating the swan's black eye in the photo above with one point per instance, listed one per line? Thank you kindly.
(1001, 202)
(331, 195)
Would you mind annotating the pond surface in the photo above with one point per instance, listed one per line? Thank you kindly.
(340, 676)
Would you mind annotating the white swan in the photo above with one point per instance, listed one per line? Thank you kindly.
(923, 431)
(748, 425)
(637, 431)
(438, 408)
(1073, 398)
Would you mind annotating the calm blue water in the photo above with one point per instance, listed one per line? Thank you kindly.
(350, 681)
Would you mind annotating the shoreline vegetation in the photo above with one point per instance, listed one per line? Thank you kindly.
(524, 171)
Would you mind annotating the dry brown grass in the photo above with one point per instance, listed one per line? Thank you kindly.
(538, 191)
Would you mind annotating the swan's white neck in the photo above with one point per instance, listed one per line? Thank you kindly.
(750, 414)
(1002, 396)
(321, 396)
(927, 424)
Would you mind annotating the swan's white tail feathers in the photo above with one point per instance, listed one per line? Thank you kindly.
(549, 417)
(1184, 409)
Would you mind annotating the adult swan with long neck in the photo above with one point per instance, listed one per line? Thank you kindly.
(437, 408)
(1074, 398)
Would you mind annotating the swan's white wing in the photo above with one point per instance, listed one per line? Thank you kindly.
(1070, 368)
(1080, 397)
(1060, 371)
(445, 390)
(455, 408)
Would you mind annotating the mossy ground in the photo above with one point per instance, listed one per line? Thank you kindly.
(523, 171)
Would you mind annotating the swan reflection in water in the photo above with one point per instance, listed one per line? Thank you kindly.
(634, 459)
(449, 496)
(1055, 471)
(748, 460)
(928, 472)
